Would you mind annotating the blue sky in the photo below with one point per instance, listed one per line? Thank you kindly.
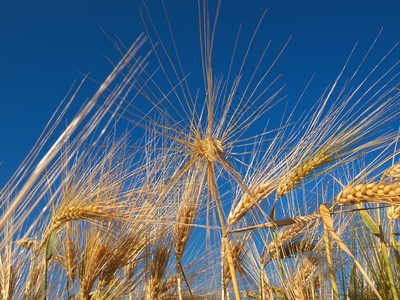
(45, 44)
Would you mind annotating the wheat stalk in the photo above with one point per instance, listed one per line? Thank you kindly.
(237, 251)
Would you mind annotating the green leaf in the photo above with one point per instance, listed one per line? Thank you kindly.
(278, 292)
(326, 218)
(50, 245)
(370, 223)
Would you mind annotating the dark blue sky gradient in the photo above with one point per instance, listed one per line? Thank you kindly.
(45, 44)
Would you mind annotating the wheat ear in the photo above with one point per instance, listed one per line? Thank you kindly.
(27, 243)
(247, 203)
(7, 277)
(284, 236)
(81, 212)
(93, 259)
(370, 193)
(237, 256)
(393, 171)
(302, 278)
(301, 171)
(393, 212)
(182, 229)
(70, 257)
(157, 267)
(169, 284)
(182, 233)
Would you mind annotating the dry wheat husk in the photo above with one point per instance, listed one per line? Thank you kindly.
(393, 212)
(393, 171)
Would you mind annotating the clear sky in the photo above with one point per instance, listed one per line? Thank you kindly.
(45, 44)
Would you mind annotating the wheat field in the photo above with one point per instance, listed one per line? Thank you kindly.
(199, 197)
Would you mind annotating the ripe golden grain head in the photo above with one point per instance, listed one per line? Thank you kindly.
(182, 229)
(303, 284)
(374, 192)
(301, 171)
(285, 235)
(393, 212)
(247, 203)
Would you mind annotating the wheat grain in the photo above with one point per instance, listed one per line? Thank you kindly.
(393, 171)
(393, 212)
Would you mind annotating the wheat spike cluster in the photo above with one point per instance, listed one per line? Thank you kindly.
(164, 187)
